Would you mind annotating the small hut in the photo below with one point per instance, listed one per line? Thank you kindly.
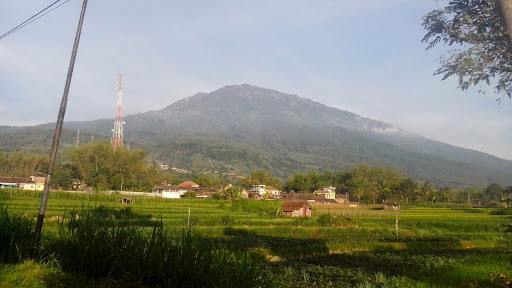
(391, 206)
(296, 209)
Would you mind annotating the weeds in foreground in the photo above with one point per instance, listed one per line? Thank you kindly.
(149, 256)
(16, 236)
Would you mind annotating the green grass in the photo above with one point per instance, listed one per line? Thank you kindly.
(451, 246)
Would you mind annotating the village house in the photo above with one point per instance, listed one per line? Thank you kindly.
(328, 192)
(34, 182)
(296, 209)
(342, 199)
(309, 197)
(168, 191)
(188, 184)
(265, 190)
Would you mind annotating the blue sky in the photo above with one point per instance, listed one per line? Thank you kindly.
(362, 56)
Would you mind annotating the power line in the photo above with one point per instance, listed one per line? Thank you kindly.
(33, 18)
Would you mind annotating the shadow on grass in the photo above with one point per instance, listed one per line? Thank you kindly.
(287, 247)
(105, 216)
(446, 268)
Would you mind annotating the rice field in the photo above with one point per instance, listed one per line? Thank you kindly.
(454, 246)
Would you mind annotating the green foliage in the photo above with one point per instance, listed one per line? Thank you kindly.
(101, 166)
(233, 193)
(262, 177)
(189, 194)
(16, 236)
(330, 220)
(149, 257)
(494, 192)
(208, 180)
(18, 164)
(269, 208)
(483, 48)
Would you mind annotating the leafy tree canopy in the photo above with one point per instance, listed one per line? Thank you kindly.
(479, 33)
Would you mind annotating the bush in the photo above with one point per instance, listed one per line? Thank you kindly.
(330, 220)
(269, 208)
(16, 236)
(149, 256)
(504, 211)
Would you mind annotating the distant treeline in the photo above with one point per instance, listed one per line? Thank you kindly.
(104, 168)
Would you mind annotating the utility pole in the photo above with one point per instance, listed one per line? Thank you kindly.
(58, 131)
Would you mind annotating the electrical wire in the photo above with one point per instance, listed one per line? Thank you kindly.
(32, 19)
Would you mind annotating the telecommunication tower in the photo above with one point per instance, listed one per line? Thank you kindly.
(117, 132)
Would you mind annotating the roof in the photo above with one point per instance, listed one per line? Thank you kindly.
(304, 197)
(16, 180)
(341, 196)
(321, 192)
(165, 186)
(188, 184)
(390, 203)
(292, 206)
(270, 188)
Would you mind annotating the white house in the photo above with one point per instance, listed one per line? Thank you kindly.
(168, 191)
(265, 190)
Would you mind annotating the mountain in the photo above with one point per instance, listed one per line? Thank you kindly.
(240, 128)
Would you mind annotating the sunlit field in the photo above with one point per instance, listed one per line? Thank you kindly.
(441, 246)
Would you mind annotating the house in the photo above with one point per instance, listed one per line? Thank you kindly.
(39, 180)
(244, 194)
(168, 191)
(296, 209)
(188, 184)
(17, 182)
(254, 195)
(272, 191)
(265, 190)
(328, 192)
(342, 198)
(309, 197)
(391, 206)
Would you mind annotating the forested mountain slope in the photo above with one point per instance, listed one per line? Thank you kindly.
(240, 128)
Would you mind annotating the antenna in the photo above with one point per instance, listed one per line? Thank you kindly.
(78, 138)
(117, 132)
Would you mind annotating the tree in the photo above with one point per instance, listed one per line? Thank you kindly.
(261, 177)
(233, 193)
(208, 180)
(481, 32)
(494, 192)
(426, 189)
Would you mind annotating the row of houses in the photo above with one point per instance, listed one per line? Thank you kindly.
(34, 182)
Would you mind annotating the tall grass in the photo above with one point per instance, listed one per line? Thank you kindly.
(263, 208)
(16, 235)
(149, 256)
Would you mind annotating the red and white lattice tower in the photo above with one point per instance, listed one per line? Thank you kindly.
(117, 132)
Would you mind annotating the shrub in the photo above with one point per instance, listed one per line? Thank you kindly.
(330, 220)
(269, 208)
(149, 256)
(16, 236)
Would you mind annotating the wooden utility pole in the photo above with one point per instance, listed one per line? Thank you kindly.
(58, 130)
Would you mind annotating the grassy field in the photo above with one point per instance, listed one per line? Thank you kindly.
(454, 246)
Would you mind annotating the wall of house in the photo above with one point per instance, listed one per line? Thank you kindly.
(171, 194)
